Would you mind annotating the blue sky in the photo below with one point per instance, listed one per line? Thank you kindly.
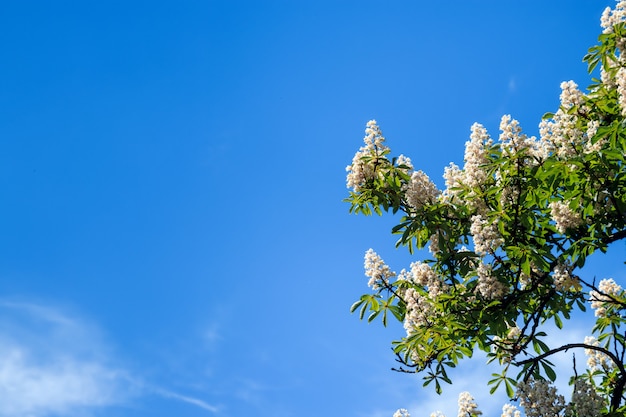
(174, 241)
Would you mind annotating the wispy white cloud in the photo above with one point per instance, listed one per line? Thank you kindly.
(54, 363)
(51, 363)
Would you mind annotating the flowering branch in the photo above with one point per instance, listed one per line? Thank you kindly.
(506, 236)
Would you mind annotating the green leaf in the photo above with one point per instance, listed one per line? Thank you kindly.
(549, 371)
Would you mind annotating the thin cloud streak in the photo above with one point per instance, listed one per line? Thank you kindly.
(190, 400)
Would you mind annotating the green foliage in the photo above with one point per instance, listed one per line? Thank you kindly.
(509, 237)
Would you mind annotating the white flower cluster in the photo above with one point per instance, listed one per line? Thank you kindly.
(422, 274)
(539, 399)
(564, 217)
(609, 19)
(563, 278)
(420, 191)
(402, 412)
(476, 156)
(585, 401)
(513, 140)
(595, 358)
(612, 17)
(510, 194)
(571, 96)
(361, 170)
(488, 285)
(486, 235)
(419, 311)
(405, 161)
(467, 405)
(419, 308)
(378, 272)
(433, 246)
(601, 300)
(620, 81)
(590, 146)
(560, 134)
(509, 410)
(473, 173)
(453, 176)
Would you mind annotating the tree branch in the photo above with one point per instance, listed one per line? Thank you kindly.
(621, 381)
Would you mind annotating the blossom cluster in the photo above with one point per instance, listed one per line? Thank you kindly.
(611, 17)
(539, 398)
(402, 412)
(420, 191)
(467, 405)
(378, 272)
(595, 358)
(585, 401)
(476, 156)
(602, 299)
(564, 217)
(366, 160)
(513, 141)
(488, 285)
(509, 410)
(485, 234)
(453, 177)
(563, 278)
(560, 134)
(419, 311)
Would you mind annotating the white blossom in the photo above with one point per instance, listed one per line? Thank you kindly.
(433, 246)
(361, 170)
(602, 299)
(378, 272)
(585, 401)
(595, 358)
(564, 217)
(402, 412)
(514, 333)
(420, 191)
(560, 135)
(419, 311)
(419, 307)
(488, 285)
(509, 410)
(590, 146)
(620, 80)
(422, 273)
(570, 95)
(512, 140)
(476, 156)
(563, 278)
(467, 405)
(485, 234)
(406, 161)
(454, 178)
(612, 17)
(539, 399)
